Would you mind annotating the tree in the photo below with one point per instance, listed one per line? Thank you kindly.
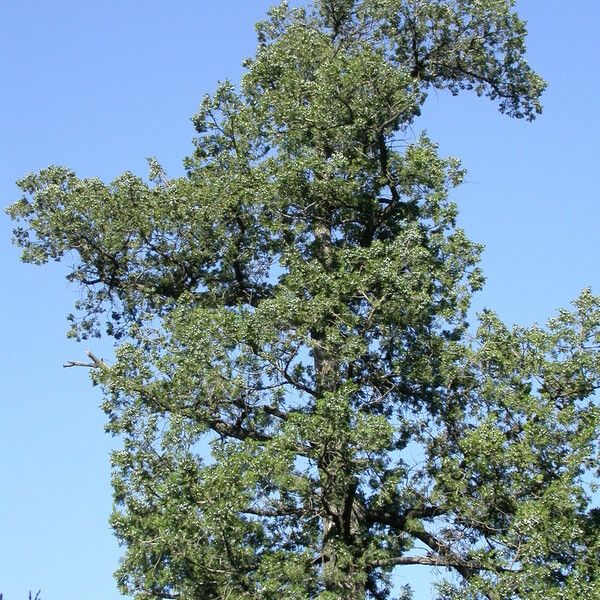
(298, 300)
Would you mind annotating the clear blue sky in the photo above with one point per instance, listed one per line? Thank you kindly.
(98, 86)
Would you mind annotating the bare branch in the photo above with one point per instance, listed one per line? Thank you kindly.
(159, 594)
(429, 560)
(97, 363)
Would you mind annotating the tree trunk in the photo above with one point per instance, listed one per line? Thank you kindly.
(341, 517)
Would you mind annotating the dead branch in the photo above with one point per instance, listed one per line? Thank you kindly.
(97, 363)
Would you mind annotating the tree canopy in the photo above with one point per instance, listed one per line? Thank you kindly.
(297, 302)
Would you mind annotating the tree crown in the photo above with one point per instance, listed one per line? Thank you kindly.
(298, 300)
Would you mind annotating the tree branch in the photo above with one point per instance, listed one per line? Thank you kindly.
(97, 363)
(447, 556)
(399, 521)
(429, 560)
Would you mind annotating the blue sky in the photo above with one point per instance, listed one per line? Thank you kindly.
(99, 86)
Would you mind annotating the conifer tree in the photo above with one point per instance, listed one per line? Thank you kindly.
(297, 303)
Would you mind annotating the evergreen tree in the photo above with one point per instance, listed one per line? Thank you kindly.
(298, 302)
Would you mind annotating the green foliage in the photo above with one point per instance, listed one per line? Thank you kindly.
(297, 303)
